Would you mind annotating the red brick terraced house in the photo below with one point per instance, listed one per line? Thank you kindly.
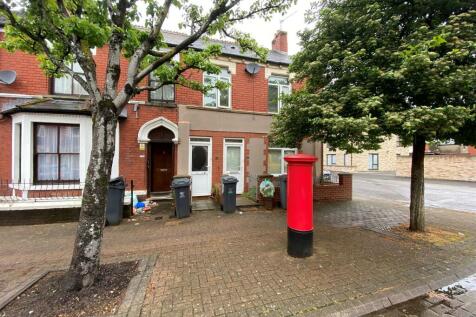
(45, 126)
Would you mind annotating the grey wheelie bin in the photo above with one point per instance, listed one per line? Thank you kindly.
(283, 190)
(115, 201)
(181, 187)
(228, 204)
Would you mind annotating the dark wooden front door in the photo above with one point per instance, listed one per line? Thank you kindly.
(162, 166)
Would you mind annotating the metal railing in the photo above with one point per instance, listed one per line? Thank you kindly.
(12, 191)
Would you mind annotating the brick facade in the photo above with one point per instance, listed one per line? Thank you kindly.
(133, 159)
(249, 97)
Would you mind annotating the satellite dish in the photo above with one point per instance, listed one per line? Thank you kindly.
(252, 68)
(7, 76)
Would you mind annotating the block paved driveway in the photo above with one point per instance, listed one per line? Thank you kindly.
(236, 265)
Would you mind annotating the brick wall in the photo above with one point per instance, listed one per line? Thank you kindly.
(471, 150)
(249, 93)
(187, 96)
(280, 41)
(451, 167)
(30, 78)
(217, 151)
(6, 149)
(335, 192)
(133, 160)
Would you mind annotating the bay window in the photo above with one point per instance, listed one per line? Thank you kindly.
(276, 163)
(277, 86)
(56, 152)
(215, 97)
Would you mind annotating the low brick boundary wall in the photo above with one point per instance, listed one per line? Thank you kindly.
(322, 192)
(450, 167)
(335, 192)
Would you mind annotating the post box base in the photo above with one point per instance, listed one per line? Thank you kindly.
(300, 243)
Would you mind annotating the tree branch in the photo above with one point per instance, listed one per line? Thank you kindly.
(115, 47)
(83, 57)
(214, 14)
(60, 65)
(168, 82)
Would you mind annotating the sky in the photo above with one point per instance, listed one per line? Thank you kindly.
(262, 31)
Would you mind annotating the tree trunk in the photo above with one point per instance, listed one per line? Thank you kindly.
(87, 247)
(417, 188)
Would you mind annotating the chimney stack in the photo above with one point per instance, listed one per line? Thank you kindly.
(280, 41)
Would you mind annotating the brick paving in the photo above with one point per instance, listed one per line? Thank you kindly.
(456, 300)
(236, 265)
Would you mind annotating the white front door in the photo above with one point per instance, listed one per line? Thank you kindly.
(233, 162)
(201, 166)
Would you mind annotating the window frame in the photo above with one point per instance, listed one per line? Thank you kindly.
(218, 77)
(53, 83)
(373, 168)
(152, 100)
(345, 161)
(58, 153)
(280, 92)
(333, 161)
(282, 149)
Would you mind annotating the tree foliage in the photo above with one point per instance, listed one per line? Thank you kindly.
(381, 67)
(63, 31)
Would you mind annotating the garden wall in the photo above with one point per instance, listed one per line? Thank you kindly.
(451, 167)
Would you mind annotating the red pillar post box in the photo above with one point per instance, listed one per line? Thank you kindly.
(300, 204)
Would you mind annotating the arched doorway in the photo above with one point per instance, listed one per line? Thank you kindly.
(161, 137)
(161, 160)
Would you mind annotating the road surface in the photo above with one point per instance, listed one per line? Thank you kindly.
(438, 193)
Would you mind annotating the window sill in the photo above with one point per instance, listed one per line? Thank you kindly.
(217, 108)
(166, 104)
(36, 187)
(68, 96)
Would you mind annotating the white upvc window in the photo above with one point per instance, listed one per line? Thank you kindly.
(217, 98)
(277, 86)
(276, 163)
(373, 161)
(166, 93)
(56, 152)
(66, 85)
(331, 159)
(347, 159)
(52, 150)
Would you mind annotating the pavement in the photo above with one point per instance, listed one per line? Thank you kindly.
(216, 264)
(457, 299)
(455, 195)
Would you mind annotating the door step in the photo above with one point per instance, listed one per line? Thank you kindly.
(160, 196)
